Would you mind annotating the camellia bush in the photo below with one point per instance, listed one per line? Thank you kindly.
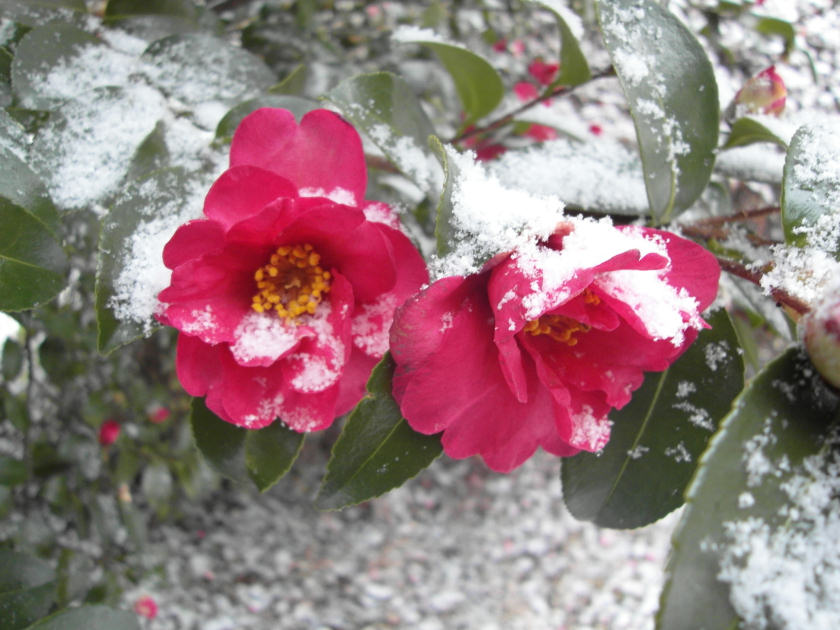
(598, 228)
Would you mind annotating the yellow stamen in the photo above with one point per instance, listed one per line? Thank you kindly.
(292, 283)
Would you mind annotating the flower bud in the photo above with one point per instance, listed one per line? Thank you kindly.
(159, 415)
(109, 432)
(146, 607)
(764, 93)
(822, 338)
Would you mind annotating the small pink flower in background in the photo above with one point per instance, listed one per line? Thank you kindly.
(159, 415)
(764, 93)
(525, 91)
(595, 130)
(109, 431)
(285, 291)
(500, 45)
(541, 133)
(543, 72)
(146, 607)
(536, 349)
(517, 47)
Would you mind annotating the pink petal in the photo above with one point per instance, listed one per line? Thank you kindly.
(192, 240)
(243, 191)
(323, 153)
(351, 388)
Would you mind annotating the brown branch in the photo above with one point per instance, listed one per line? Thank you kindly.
(742, 215)
(781, 297)
(561, 90)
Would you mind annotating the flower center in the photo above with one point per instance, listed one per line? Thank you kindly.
(560, 327)
(292, 283)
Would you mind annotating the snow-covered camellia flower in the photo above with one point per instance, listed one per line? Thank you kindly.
(537, 348)
(285, 292)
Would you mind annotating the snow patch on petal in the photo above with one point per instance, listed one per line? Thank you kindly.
(338, 195)
(320, 368)
(589, 432)
(203, 320)
(371, 325)
(263, 338)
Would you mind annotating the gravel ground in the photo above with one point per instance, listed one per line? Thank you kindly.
(459, 547)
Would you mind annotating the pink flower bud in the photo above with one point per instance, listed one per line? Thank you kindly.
(159, 415)
(595, 130)
(822, 338)
(146, 607)
(543, 72)
(500, 45)
(525, 91)
(541, 133)
(764, 93)
(109, 432)
(517, 47)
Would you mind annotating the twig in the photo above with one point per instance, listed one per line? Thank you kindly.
(742, 215)
(504, 120)
(781, 297)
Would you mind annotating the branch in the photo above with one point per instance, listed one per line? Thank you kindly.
(561, 90)
(742, 215)
(781, 297)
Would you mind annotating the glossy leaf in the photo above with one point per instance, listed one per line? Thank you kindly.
(20, 185)
(574, 69)
(152, 155)
(749, 131)
(87, 618)
(139, 204)
(658, 437)
(270, 453)
(783, 416)
(221, 443)
(295, 104)
(810, 187)
(27, 589)
(386, 109)
(41, 51)
(444, 228)
(377, 449)
(32, 263)
(673, 99)
(479, 86)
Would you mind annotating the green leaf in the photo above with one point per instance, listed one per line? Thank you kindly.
(444, 228)
(270, 453)
(658, 437)
(782, 28)
(574, 69)
(670, 88)
(196, 68)
(155, 19)
(87, 618)
(377, 449)
(295, 104)
(138, 207)
(12, 359)
(293, 83)
(176, 8)
(39, 53)
(385, 108)
(12, 471)
(27, 589)
(152, 154)
(479, 86)
(810, 187)
(20, 185)
(221, 443)
(33, 13)
(783, 416)
(749, 131)
(32, 263)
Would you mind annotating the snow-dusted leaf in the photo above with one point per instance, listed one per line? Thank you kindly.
(130, 270)
(479, 86)
(21, 186)
(32, 263)
(186, 9)
(221, 443)
(657, 439)
(385, 108)
(155, 19)
(295, 104)
(199, 69)
(811, 188)
(377, 450)
(574, 69)
(670, 87)
(757, 523)
(444, 220)
(34, 13)
(270, 453)
(749, 130)
(27, 589)
(88, 617)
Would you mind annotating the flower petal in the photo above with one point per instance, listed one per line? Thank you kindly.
(193, 240)
(242, 191)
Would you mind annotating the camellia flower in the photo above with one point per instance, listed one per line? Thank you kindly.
(543, 72)
(109, 431)
(146, 607)
(285, 292)
(537, 348)
(764, 93)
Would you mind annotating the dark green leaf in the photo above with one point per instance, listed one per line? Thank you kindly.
(295, 104)
(377, 449)
(293, 83)
(40, 52)
(810, 187)
(782, 417)
(270, 453)
(16, 411)
(478, 84)
(573, 67)
(670, 87)
(12, 471)
(12, 359)
(749, 131)
(156, 198)
(155, 19)
(657, 439)
(88, 618)
(386, 109)
(221, 443)
(175, 8)
(27, 589)
(32, 263)
(444, 228)
(152, 155)
(20, 185)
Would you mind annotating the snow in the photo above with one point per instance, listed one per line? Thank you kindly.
(262, 337)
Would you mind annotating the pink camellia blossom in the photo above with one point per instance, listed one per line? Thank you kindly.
(146, 607)
(159, 415)
(109, 431)
(541, 133)
(538, 347)
(543, 72)
(764, 93)
(525, 91)
(285, 292)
